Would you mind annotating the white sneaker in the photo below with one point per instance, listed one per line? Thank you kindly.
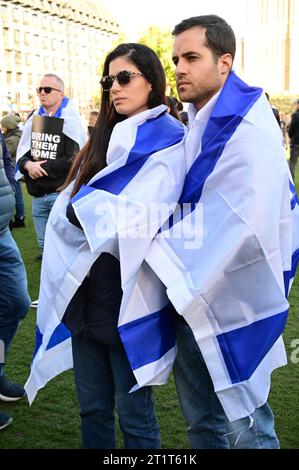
(34, 304)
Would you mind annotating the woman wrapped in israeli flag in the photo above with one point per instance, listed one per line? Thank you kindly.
(122, 187)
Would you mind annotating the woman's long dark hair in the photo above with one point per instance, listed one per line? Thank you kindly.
(92, 157)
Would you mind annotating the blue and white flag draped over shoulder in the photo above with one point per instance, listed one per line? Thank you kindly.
(120, 210)
(231, 285)
(72, 127)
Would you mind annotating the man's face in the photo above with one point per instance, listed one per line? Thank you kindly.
(199, 75)
(53, 99)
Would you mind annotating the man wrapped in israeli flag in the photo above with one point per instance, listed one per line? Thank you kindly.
(51, 139)
(66, 111)
(229, 280)
(125, 184)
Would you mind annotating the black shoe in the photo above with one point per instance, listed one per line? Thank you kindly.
(10, 391)
(17, 223)
(38, 258)
(5, 420)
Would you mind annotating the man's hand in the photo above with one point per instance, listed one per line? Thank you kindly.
(35, 170)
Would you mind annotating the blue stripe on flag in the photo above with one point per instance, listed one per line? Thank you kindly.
(60, 334)
(233, 104)
(147, 339)
(38, 340)
(84, 190)
(294, 199)
(64, 102)
(149, 140)
(288, 275)
(244, 348)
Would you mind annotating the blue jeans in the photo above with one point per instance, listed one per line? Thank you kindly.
(103, 376)
(20, 208)
(14, 298)
(208, 427)
(41, 208)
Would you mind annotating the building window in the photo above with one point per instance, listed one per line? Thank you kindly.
(18, 58)
(16, 14)
(36, 41)
(8, 78)
(17, 36)
(26, 17)
(60, 26)
(45, 21)
(7, 57)
(35, 21)
(6, 39)
(4, 14)
(47, 62)
(27, 39)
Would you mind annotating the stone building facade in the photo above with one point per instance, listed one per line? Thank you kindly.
(67, 37)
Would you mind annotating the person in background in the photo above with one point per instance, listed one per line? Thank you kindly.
(172, 105)
(93, 116)
(14, 298)
(274, 110)
(184, 117)
(12, 134)
(44, 177)
(293, 131)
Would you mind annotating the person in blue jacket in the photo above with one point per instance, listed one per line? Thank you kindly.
(14, 298)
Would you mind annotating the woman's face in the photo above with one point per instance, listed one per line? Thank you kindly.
(132, 98)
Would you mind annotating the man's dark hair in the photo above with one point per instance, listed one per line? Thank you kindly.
(220, 38)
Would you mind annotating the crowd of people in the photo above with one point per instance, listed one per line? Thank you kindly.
(155, 252)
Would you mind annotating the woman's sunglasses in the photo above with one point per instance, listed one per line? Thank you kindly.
(47, 89)
(123, 78)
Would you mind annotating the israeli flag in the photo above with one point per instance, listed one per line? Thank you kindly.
(72, 127)
(120, 210)
(229, 262)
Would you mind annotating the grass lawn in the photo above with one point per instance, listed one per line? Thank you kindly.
(52, 422)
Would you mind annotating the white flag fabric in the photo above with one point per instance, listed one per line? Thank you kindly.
(120, 210)
(230, 279)
(72, 127)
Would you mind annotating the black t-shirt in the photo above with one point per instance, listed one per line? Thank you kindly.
(294, 128)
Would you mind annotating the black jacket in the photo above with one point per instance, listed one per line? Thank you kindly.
(94, 309)
(294, 129)
(57, 169)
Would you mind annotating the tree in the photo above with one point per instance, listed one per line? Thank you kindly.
(161, 42)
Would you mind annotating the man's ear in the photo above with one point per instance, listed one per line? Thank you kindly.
(225, 63)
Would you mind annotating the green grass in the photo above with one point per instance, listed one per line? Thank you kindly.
(52, 422)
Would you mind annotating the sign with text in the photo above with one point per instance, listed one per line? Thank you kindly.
(46, 137)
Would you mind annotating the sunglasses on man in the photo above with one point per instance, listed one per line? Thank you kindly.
(47, 89)
(123, 78)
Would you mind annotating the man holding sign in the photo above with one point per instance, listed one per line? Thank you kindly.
(51, 138)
